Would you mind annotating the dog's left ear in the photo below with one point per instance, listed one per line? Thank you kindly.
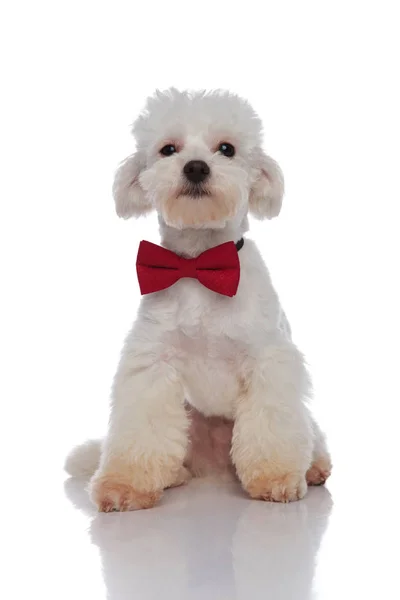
(266, 193)
(130, 199)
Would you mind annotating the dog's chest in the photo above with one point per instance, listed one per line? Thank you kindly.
(207, 354)
(208, 368)
(201, 312)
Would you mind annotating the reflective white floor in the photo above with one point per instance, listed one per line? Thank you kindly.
(206, 541)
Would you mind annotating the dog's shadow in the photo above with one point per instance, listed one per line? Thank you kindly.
(207, 541)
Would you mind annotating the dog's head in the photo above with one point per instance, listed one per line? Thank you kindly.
(198, 162)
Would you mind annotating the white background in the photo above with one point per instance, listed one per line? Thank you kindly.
(324, 77)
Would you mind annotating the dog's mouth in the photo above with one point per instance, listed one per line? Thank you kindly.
(194, 190)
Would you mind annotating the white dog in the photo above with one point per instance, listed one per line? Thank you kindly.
(228, 356)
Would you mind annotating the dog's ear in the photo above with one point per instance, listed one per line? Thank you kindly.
(129, 197)
(266, 193)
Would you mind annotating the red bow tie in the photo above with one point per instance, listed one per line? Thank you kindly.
(218, 269)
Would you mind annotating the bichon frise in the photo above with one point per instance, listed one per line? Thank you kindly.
(209, 370)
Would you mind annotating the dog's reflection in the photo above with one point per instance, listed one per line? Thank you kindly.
(209, 541)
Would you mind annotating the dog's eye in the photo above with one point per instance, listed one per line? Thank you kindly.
(168, 150)
(227, 149)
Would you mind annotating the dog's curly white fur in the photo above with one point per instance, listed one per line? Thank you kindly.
(226, 357)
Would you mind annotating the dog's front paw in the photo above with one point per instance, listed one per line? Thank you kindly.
(273, 487)
(115, 493)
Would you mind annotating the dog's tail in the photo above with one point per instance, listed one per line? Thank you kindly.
(83, 460)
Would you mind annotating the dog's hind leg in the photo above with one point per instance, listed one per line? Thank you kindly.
(183, 476)
(321, 465)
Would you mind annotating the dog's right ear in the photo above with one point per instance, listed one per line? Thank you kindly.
(130, 199)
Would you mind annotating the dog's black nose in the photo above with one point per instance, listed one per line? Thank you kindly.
(196, 171)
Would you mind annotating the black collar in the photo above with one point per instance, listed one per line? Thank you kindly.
(239, 244)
